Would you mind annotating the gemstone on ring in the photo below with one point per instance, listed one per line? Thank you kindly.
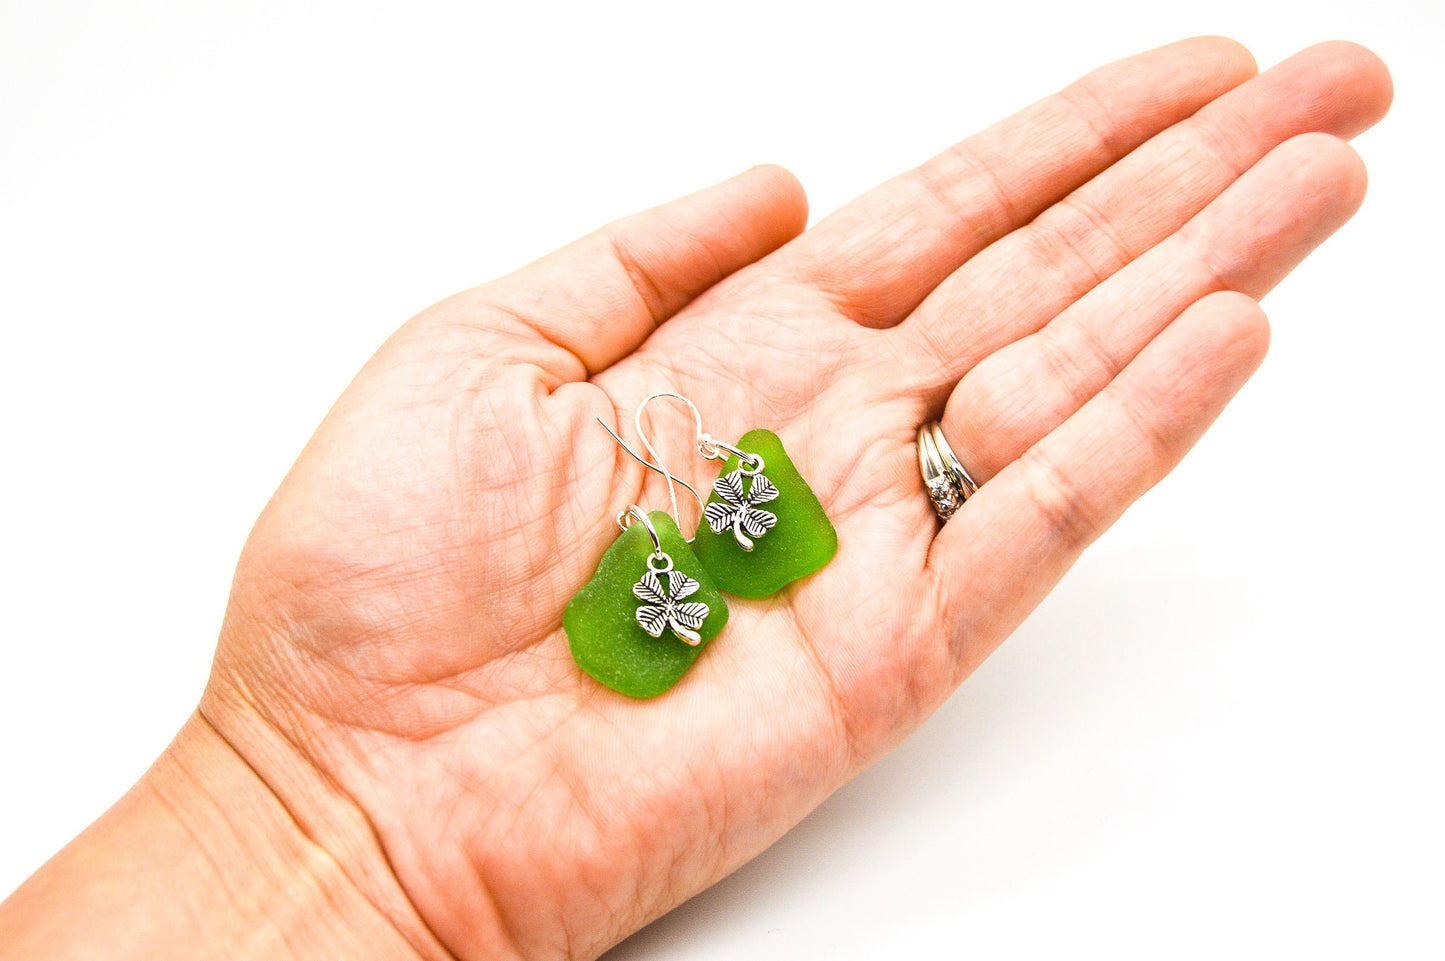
(946, 499)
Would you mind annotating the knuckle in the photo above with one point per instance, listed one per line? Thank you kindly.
(1076, 370)
(655, 301)
(1081, 102)
(1159, 447)
(953, 182)
(1060, 503)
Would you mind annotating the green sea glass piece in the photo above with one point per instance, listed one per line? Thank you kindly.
(607, 638)
(791, 536)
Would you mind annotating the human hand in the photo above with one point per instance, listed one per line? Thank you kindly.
(1072, 291)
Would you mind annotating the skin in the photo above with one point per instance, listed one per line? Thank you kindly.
(395, 737)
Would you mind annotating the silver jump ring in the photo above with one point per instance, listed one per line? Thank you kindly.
(749, 464)
(948, 482)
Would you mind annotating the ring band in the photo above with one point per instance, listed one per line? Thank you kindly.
(952, 464)
(948, 482)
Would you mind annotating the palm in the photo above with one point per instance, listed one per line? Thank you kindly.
(397, 611)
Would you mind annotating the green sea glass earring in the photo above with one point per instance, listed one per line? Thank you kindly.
(749, 550)
(642, 649)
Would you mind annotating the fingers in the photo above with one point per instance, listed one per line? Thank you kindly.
(880, 255)
(597, 299)
(1022, 281)
(1247, 240)
(1013, 540)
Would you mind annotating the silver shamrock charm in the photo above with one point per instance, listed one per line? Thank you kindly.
(740, 511)
(664, 609)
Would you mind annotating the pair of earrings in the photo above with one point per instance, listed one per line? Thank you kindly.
(739, 546)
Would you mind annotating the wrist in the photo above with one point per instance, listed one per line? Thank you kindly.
(201, 859)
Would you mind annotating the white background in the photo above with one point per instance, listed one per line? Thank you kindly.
(1222, 735)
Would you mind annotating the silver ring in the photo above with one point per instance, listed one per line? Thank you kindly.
(948, 482)
(952, 464)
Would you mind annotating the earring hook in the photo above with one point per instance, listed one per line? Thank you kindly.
(706, 446)
(667, 476)
(647, 443)
(633, 512)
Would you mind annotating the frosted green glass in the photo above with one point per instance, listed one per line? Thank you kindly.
(601, 619)
(801, 542)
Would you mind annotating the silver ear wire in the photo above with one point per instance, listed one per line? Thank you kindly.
(711, 449)
(658, 555)
(637, 417)
(750, 464)
(667, 475)
(657, 458)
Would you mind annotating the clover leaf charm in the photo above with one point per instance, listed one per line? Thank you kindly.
(738, 510)
(663, 608)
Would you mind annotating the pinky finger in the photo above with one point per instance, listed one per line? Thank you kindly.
(1013, 540)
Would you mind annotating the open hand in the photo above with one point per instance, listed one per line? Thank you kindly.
(1073, 292)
